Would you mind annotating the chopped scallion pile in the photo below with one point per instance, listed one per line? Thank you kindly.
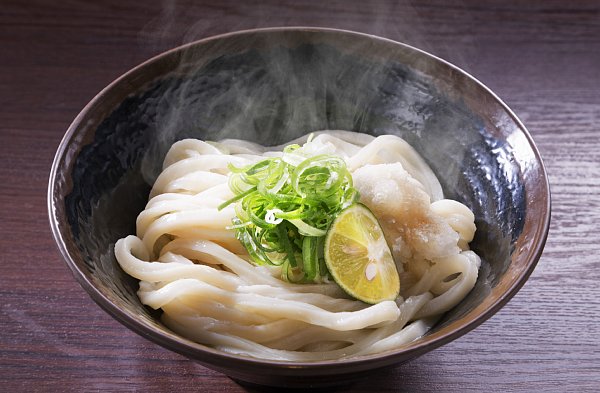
(284, 206)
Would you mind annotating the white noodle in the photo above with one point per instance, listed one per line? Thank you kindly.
(191, 265)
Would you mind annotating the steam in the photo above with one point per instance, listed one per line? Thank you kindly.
(275, 95)
(407, 21)
(181, 22)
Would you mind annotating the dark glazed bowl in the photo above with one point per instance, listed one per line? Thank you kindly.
(270, 86)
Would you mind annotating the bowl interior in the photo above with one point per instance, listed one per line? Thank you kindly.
(272, 86)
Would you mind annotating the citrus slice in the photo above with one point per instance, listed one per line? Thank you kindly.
(359, 258)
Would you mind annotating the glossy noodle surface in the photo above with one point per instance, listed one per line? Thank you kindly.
(191, 265)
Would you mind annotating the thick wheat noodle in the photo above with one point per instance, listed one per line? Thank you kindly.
(465, 282)
(212, 253)
(263, 305)
(161, 207)
(191, 266)
(459, 217)
(369, 343)
(178, 221)
(187, 148)
(193, 182)
(206, 164)
(288, 335)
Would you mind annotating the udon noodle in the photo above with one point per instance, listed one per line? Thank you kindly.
(191, 265)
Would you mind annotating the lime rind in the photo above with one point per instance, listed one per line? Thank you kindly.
(358, 257)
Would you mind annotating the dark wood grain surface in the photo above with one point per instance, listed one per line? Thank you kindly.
(541, 57)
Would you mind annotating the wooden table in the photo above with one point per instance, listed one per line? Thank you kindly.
(541, 57)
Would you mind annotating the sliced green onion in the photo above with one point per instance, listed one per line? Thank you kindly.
(284, 206)
(310, 258)
(272, 218)
(236, 198)
(307, 230)
(287, 244)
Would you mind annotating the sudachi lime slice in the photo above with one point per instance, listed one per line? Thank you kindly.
(359, 258)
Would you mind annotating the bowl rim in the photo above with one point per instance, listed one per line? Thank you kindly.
(222, 359)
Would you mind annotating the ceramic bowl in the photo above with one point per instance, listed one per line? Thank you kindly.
(270, 86)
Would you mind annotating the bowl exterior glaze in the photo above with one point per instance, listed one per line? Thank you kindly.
(270, 86)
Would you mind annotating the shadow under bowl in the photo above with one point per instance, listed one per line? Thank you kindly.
(270, 86)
